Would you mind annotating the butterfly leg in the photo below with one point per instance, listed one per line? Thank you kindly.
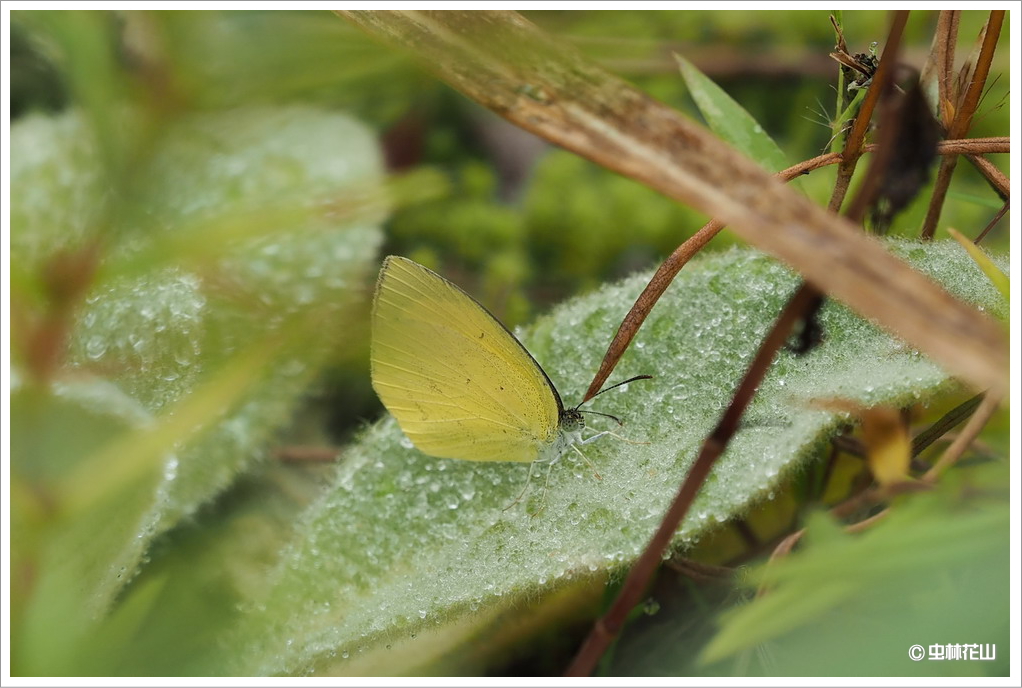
(586, 458)
(619, 437)
(528, 479)
(595, 437)
(546, 484)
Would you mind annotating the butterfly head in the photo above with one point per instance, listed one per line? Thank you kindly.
(572, 420)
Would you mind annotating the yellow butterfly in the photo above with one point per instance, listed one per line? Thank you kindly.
(460, 385)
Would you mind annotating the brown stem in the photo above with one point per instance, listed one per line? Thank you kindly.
(609, 625)
(975, 147)
(805, 301)
(946, 37)
(990, 225)
(670, 268)
(973, 95)
(782, 550)
(992, 144)
(698, 571)
(876, 495)
(962, 121)
(658, 284)
(867, 522)
(856, 136)
(994, 176)
(881, 160)
(940, 187)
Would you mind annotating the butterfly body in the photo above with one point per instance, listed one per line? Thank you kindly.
(460, 385)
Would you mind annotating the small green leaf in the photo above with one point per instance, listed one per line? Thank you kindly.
(729, 120)
(836, 143)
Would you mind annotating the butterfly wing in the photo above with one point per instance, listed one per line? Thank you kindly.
(460, 385)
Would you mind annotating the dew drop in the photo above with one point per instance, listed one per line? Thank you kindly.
(95, 347)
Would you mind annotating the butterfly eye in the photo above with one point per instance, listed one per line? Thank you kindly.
(572, 420)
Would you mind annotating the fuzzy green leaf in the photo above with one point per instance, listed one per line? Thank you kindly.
(406, 546)
(997, 278)
(192, 361)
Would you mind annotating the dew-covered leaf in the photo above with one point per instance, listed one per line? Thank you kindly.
(407, 546)
(998, 278)
(143, 340)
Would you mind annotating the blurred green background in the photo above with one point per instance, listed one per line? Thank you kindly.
(199, 204)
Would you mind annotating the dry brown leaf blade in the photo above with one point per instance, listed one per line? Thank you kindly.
(505, 63)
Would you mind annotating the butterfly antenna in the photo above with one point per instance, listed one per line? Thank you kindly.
(607, 389)
(605, 415)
